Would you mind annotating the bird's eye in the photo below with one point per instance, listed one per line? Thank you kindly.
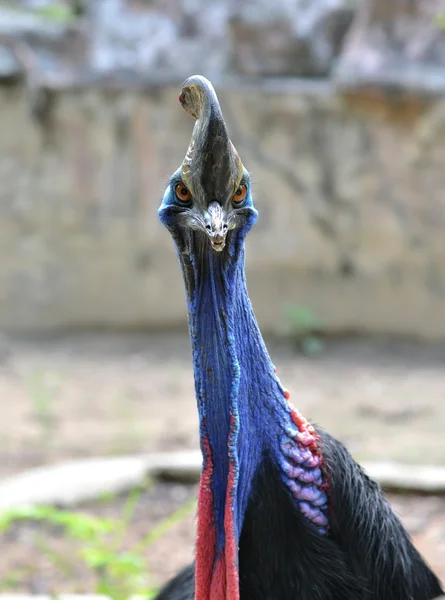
(240, 194)
(182, 193)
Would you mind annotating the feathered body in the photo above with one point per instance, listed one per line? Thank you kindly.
(366, 556)
(283, 510)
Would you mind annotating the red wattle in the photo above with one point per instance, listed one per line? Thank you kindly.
(205, 534)
(231, 548)
(218, 588)
(216, 578)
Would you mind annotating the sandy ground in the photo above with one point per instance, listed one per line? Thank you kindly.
(90, 395)
(104, 395)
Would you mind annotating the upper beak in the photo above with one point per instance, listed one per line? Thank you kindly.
(216, 225)
(212, 168)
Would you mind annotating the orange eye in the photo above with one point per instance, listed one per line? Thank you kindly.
(182, 193)
(240, 193)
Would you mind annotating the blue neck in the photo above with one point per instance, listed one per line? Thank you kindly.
(240, 400)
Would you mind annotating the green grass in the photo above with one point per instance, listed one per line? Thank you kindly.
(54, 12)
(57, 13)
(119, 572)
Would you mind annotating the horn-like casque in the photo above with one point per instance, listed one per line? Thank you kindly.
(212, 168)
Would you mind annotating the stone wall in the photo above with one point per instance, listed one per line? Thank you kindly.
(349, 188)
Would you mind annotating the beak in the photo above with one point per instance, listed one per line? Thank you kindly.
(212, 168)
(216, 226)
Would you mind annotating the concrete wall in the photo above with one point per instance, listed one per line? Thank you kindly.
(350, 192)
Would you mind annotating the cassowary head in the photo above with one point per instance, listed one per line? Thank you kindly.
(209, 195)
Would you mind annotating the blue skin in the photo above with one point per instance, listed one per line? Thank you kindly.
(234, 376)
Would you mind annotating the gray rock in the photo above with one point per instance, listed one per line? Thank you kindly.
(164, 39)
(288, 37)
(127, 41)
(34, 45)
(419, 478)
(72, 483)
(395, 45)
(252, 38)
(75, 482)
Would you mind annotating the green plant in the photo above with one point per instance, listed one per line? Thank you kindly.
(56, 12)
(119, 572)
(303, 327)
(439, 20)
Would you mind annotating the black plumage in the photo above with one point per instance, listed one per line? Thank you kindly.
(366, 556)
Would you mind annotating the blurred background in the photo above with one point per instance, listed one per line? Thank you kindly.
(337, 108)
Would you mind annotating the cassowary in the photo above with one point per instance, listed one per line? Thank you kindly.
(284, 512)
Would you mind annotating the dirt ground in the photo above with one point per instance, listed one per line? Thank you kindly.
(25, 568)
(99, 395)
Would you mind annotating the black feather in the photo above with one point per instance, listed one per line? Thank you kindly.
(181, 587)
(366, 529)
(366, 556)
